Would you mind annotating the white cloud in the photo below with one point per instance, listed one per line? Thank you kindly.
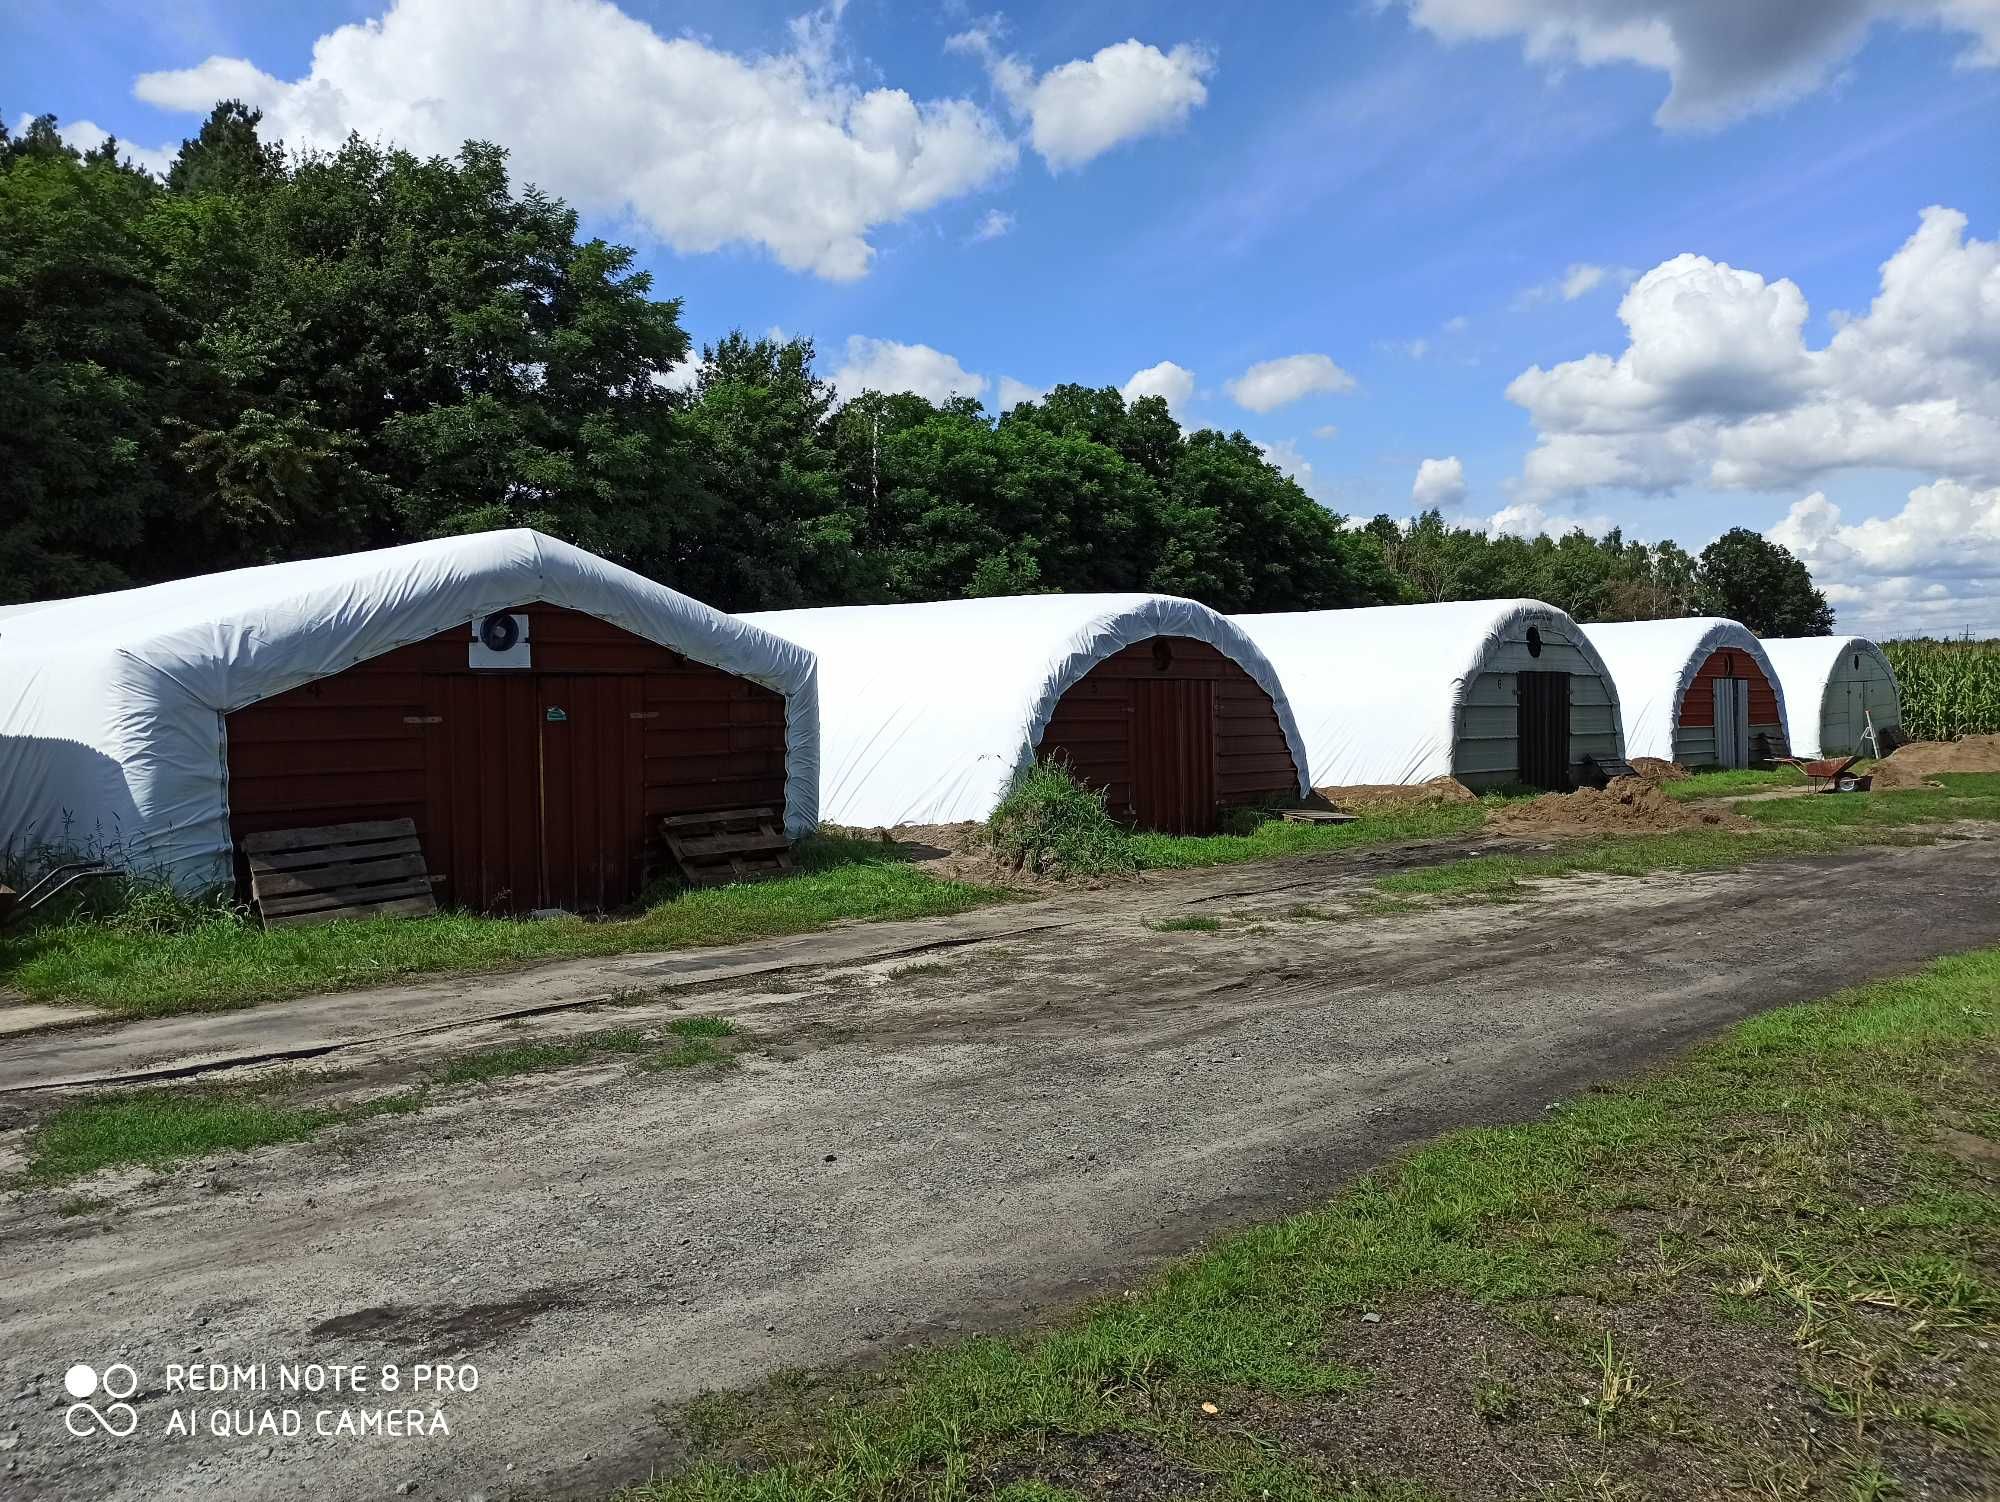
(994, 224)
(884, 365)
(1286, 456)
(1013, 392)
(1717, 385)
(1457, 325)
(1440, 483)
(1933, 566)
(1166, 379)
(705, 148)
(1529, 519)
(1579, 280)
(1326, 430)
(1271, 384)
(1725, 58)
(1084, 108)
(681, 377)
(88, 135)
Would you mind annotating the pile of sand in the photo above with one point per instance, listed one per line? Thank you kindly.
(1361, 796)
(1631, 805)
(951, 852)
(1653, 769)
(1913, 766)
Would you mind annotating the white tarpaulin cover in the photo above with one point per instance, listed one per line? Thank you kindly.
(1805, 666)
(111, 706)
(1379, 691)
(928, 711)
(1653, 663)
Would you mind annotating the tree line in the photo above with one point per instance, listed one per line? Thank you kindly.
(260, 357)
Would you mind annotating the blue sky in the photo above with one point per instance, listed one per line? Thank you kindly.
(1429, 197)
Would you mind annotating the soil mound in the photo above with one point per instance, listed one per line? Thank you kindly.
(1653, 769)
(1390, 794)
(1631, 805)
(955, 852)
(1914, 765)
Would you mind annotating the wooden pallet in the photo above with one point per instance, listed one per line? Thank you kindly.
(1609, 768)
(338, 871)
(737, 844)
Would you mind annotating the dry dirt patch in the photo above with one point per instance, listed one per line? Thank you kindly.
(1375, 795)
(1914, 765)
(1631, 805)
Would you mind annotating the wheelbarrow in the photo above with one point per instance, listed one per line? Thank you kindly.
(14, 906)
(1828, 775)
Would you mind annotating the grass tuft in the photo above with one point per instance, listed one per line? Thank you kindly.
(1049, 822)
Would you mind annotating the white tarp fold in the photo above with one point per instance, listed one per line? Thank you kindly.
(928, 711)
(1654, 662)
(1379, 691)
(111, 706)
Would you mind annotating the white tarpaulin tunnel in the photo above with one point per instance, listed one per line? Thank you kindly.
(928, 711)
(1699, 691)
(1834, 687)
(535, 756)
(1487, 691)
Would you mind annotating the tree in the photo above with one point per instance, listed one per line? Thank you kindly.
(1751, 579)
(86, 370)
(225, 155)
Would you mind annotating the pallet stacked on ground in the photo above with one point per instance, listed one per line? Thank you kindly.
(1835, 688)
(371, 869)
(1488, 691)
(532, 710)
(929, 711)
(1699, 691)
(734, 844)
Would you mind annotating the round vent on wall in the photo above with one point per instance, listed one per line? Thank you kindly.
(499, 633)
(1534, 641)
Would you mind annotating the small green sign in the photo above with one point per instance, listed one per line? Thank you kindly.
(556, 715)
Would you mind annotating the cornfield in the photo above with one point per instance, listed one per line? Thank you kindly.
(1949, 688)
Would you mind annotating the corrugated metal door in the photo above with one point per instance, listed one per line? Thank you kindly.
(1544, 729)
(1173, 755)
(1732, 722)
(592, 789)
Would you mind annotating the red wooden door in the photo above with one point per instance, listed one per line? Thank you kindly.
(482, 769)
(1173, 755)
(593, 821)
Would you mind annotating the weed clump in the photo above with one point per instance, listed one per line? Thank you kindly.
(1053, 825)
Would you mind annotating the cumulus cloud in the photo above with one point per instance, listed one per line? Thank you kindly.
(88, 135)
(1083, 108)
(1579, 280)
(1013, 393)
(884, 365)
(1166, 379)
(992, 225)
(1440, 483)
(1724, 60)
(1528, 519)
(705, 148)
(1271, 384)
(1717, 385)
(1933, 566)
(1286, 456)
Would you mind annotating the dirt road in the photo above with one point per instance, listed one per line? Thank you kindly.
(906, 1151)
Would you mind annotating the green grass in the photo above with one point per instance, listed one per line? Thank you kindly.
(1733, 1175)
(224, 964)
(158, 1128)
(1278, 837)
(1722, 784)
(1050, 822)
(1811, 825)
(1188, 925)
